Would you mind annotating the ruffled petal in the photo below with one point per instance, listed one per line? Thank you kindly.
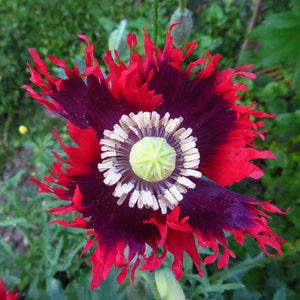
(177, 237)
(208, 212)
(5, 294)
(78, 181)
(83, 99)
(131, 83)
(78, 173)
(213, 210)
(225, 129)
(207, 100)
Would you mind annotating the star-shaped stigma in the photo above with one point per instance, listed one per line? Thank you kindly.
(152, 159)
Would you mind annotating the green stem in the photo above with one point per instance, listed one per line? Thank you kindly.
(155, 21)
(6, 128)
(182, 5)
(37, 147)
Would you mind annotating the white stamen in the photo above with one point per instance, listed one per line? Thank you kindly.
(186, 182)
(155, 119)
(133, 198)
(120, 131)
(188, 145)
(180, 188)
(175, 192)
(108, 154)
(155, 205)
(112, 177)
(185, 133)
(172, 125)
(125, 122)
(170, 197)
(191, 172)
(121, 199)
(179, 132)
(191, 164)
(163, 207)
(147, 198)
(117, 137)
(129, 187)
(138, 120)
(136, 131)
(107, 148)
(105, 165)
(195, 157)
(108, 142)
(167, 203)
(122, 189)
(140, 202)
(191, 151)
(165, 119)
(107, 133)
(147, 120)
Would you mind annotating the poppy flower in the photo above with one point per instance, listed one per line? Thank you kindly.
(5, 294)
(157, 140)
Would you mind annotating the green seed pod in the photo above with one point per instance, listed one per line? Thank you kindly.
(117, 39)
(182, 31)
(168, 287)
(152, 159)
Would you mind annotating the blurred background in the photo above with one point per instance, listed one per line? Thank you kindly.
(42, 260)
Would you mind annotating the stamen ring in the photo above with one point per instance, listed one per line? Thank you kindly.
(162, 184)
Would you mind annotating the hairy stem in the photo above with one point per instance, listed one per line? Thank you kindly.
(155, 21)
(182, 5)
(249, 29)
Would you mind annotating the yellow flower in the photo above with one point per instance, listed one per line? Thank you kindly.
(23, 129)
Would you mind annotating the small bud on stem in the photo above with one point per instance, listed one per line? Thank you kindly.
(182, 31)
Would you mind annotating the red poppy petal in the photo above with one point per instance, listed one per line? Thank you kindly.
(212, 210)
(5, 294)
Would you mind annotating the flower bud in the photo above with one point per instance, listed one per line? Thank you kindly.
(23, 129)
(168, 287)
(182, 31)
(117, 39)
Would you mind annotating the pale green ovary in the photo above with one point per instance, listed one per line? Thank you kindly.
(152, 159)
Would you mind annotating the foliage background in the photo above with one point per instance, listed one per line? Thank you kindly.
(42, 260)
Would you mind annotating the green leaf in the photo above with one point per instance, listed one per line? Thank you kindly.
(58, 249)
(279, 35)
(12, 222)
(281, 161)
(280, 294)
(6, 247)
(221, 287)
(69, 257)
(12, 182)
(55, 290)
(288, 124)
(294, 215)
(109, 289)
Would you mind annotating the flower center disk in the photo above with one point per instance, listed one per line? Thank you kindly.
(152, 159)
(149, 159)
